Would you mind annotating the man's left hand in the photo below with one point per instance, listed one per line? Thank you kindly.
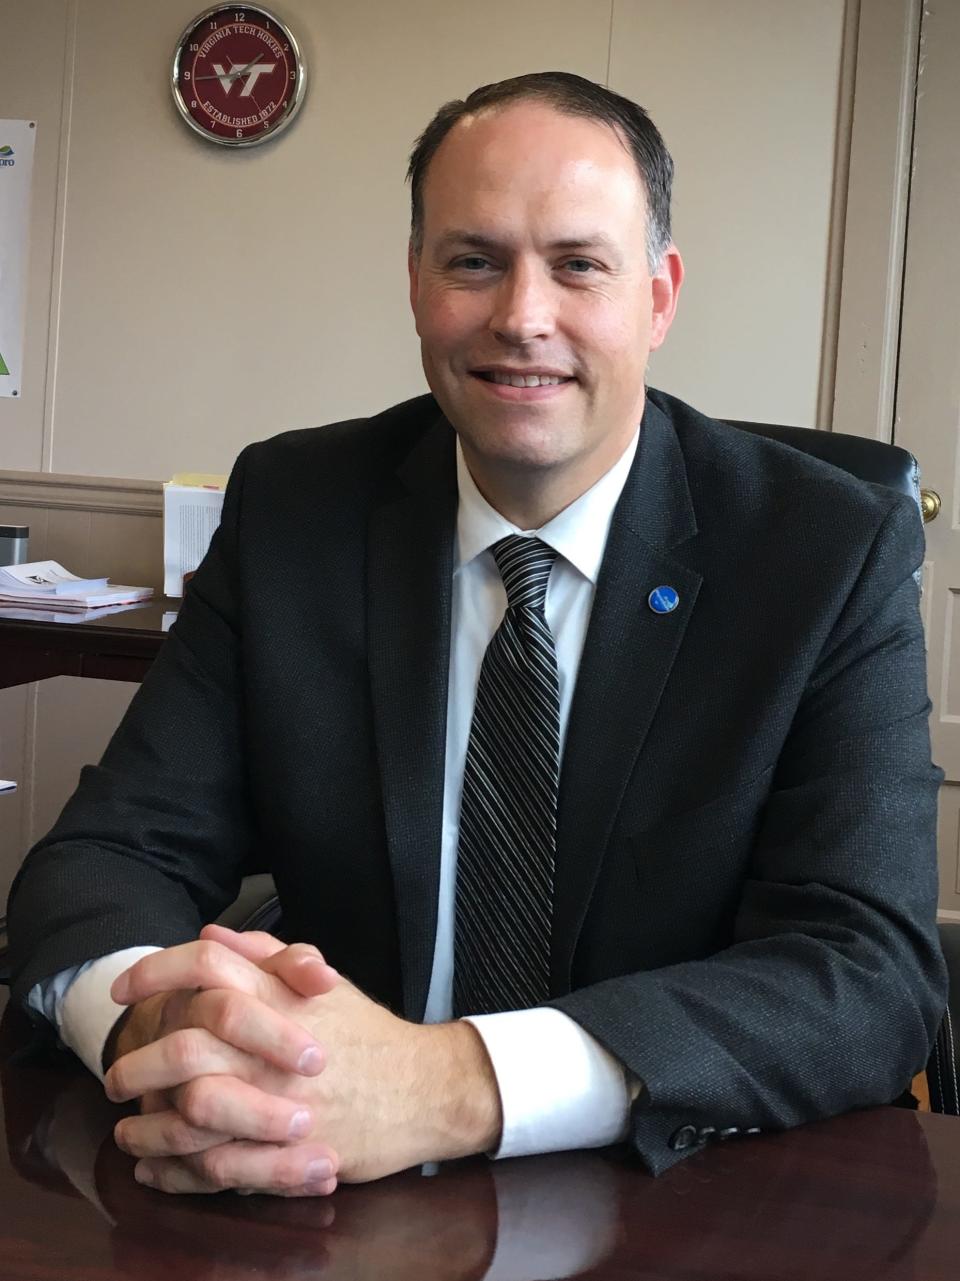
(393, 1094)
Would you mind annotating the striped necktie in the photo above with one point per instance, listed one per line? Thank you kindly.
(508, 812)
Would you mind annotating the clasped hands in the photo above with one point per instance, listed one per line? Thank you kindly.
(258, 1067)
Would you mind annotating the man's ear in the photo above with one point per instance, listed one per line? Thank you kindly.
(665, 290)
(413, 273)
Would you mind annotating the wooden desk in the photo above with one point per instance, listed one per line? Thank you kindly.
(874, 1196)
(116, 647)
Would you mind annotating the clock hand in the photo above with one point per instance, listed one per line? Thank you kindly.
(243, 70)
(232, 75)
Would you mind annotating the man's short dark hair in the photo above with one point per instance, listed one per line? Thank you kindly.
(573, 96)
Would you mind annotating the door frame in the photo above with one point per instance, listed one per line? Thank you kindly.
(872, 191)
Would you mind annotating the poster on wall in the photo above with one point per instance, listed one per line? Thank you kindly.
(16, 168)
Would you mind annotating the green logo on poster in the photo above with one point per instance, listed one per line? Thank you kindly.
(3, 367)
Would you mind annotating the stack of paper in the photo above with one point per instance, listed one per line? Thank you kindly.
(192, 505)
(54, 614)
(43, 584)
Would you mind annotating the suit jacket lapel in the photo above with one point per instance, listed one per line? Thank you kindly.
(410, 568)
(626, 661)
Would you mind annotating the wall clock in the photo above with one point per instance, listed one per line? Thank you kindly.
(238, 75)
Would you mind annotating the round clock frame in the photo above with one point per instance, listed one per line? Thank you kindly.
(225, 45)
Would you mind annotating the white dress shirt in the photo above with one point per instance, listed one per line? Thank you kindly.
(559, 1087)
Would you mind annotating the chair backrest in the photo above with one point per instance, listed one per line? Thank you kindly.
(871, 460)
(883, 464)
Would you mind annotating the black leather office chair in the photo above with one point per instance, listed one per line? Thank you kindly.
(870, 460)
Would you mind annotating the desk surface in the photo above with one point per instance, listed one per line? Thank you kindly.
(144, 616)
(874, 1196)
(117, 645)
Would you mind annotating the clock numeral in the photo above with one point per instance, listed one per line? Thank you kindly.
(286, 48)
(213, 25)
(193, 102)
(293, 75)
(194, 48)
(239, 133)
(186, 75)
(239, 17)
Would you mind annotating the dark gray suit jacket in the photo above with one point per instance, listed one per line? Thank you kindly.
(746, 874)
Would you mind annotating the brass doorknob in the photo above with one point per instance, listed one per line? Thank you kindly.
(930, 504)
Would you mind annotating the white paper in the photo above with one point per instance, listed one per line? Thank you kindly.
(190, 518)
(114, 594)
(45, 578)
(7, 786)
(16, 170)
(58, 615)
(45, 585)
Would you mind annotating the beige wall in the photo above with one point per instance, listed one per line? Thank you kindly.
(195, 298)
(184, 299)
(746, 93)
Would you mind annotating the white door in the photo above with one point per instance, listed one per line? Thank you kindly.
(928, 392)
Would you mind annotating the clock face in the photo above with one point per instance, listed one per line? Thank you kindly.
(238, 77)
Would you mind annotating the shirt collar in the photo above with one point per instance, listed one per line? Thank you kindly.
(578, 533)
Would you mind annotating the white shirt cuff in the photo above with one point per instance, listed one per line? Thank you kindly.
(82, 1008)
(559, 1088)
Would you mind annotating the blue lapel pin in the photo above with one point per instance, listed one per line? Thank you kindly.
(663, 600)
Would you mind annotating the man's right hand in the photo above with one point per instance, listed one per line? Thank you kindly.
(239, 1009)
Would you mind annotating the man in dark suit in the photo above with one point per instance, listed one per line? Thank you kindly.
(574, 712)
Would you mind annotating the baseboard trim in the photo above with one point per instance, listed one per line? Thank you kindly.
(947, 914)
(81, 493)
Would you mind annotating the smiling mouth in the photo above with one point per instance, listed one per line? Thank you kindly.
(505, 379)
